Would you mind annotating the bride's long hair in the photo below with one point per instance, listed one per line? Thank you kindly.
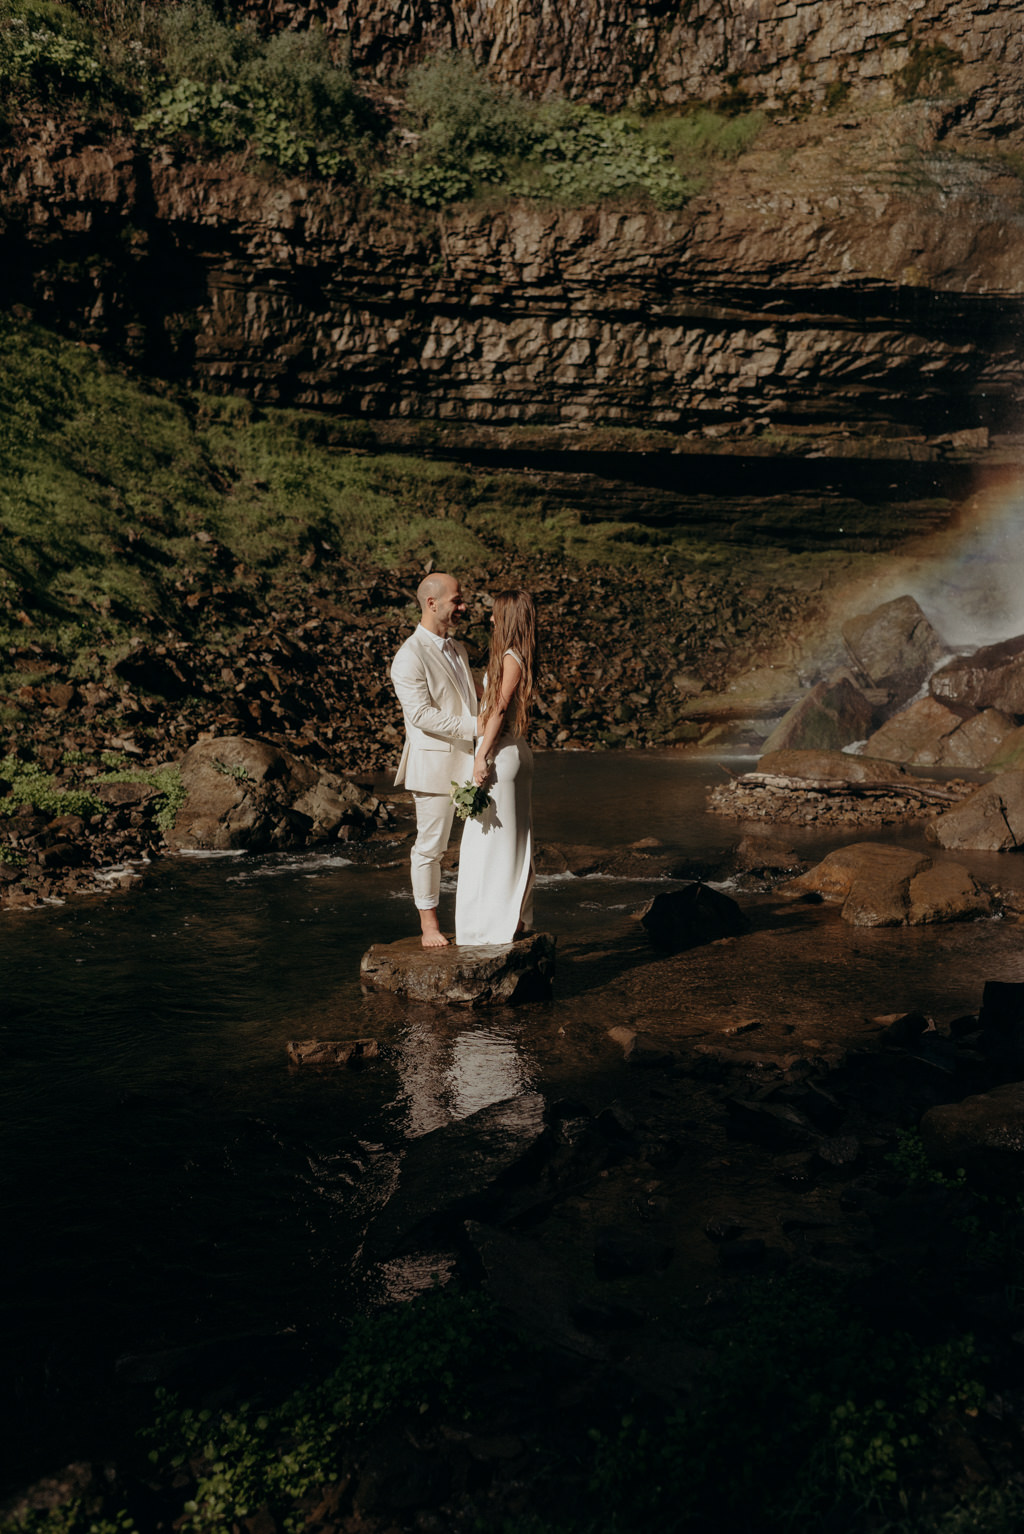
(515, 628)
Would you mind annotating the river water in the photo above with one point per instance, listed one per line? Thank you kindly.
(169, 1181)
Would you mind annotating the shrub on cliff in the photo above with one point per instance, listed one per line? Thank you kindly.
(472, 139)
(284, 96)
(46, 53)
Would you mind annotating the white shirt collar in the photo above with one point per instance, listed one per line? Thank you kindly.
(434, 638)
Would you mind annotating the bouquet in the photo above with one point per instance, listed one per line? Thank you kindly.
(469, 801)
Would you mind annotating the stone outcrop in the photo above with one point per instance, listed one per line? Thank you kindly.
(990, 820)
(883, 886)
(740, 316)
(992, 677)
(477, 977)
(245, 793)
(614, 52)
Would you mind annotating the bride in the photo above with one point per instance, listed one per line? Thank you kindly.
(494, 894)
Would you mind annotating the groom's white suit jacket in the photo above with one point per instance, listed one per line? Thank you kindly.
(439, 728)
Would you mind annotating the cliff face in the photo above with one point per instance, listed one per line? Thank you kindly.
(835, 279)
(780, 52)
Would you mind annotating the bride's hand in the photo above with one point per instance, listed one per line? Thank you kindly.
(481, 771)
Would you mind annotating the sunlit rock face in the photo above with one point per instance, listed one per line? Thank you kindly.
(612, 52)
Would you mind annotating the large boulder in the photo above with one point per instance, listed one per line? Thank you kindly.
(984, 1135)
(466, 976)
(930, 734)
(989, 820)
(832, 715)
(895, 647)
(679, 919)
(243, 793)
(1009, 754)
(883, 886)
(993, 677)
(834, 766)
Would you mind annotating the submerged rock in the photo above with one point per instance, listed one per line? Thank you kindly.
(505, 972)
(331, 1051)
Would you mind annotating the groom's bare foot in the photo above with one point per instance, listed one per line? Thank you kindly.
(432, 937)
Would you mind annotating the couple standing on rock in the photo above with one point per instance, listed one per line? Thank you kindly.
(445, 713)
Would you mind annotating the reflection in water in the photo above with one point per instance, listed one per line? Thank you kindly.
(448, 1072)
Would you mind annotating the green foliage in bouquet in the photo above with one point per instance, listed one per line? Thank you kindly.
(469, 801)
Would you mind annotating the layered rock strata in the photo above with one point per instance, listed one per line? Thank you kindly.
(612, 52)
(830, 295)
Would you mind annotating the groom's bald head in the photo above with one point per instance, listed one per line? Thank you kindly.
(436, 586)
(440, 599)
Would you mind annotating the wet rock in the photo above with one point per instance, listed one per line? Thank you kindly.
(249, 793)
(747, 1252)
(839, 1151)
(989, 820)
(895, 647)
(485, 976)
(946, 892)
(883, 886)
(832, 715)
(723, 1227)
(929, 733)
(993, 677)
(686, 918)
(351, 1052)
(760, 855)
(984, 1135)
(464, 1170)
(870, 879)
(836, 765)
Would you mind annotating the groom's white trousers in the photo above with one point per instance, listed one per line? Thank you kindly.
(434, 816)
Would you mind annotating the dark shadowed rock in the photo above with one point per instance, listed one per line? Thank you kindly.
(476, 977)
(528, 1285)
(984, 1135)
(832, 715)
(932, 734)
(993, 677)
(1001, 1022)
(989, 820)
(462, 1170)
(895, 647)
(686, 918)
(622, 1253)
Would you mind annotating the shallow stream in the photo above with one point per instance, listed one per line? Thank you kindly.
(169, 1180)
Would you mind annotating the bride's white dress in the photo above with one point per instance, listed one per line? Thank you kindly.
(495, 887)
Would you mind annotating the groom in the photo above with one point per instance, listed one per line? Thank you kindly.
(431, 676)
